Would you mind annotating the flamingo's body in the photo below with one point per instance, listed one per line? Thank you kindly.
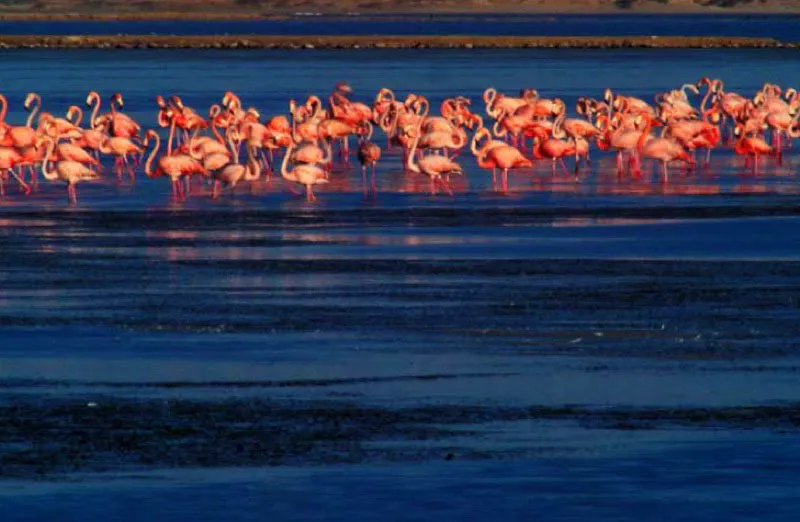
(69, 171)
(304, 174)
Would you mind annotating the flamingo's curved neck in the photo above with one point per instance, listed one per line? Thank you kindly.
(476, 138)
(215, 131)
(95, 109)
(193, 139)
(74, 109)
(489, 96)
(645, 134)
(425, 106)
(394, 123)
(412, 166)
(171, 136)
(285, 163)
(499, 130)
(34, 111)
(252, 171)
(293, 116)
(4, 110)
(233, 146)
(49, 175)
(558, 126)
(148, 166)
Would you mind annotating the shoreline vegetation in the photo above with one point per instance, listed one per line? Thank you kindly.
(383, 42)
(150, 10)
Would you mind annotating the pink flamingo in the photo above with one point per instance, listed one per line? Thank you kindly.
(304, 174)
(71, 172)
(435, 166)
(175, 166)
(20, 136)
(10, 158)
(750, 146)
(368, 155)
(234, 172)
(496, 155)
(121, 148)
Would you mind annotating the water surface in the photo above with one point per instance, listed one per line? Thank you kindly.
(592, 346)
(781, 27)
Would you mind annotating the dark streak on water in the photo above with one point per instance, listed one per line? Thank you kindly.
(41, 438)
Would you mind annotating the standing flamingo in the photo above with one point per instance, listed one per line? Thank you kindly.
(175, 166)
(750, 146)
(71, 172)
(304, 174)
(368, 155)
(121, 148)
(435, 166)
(10, 158)
(232, 173)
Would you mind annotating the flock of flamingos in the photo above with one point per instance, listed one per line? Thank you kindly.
(231, 145)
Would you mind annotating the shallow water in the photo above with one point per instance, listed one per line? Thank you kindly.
(578, 347)
(782, 27)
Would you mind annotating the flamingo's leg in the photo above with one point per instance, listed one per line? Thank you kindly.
(24, 186)
(563, 166)
(364, 178)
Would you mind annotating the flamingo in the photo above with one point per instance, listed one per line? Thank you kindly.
(498, 103)
(309, 153)
(368, 155)
(435, 166)
(173, 165)
(304, 174)
(750, 146)
(661, 149)
(501, 156)
(71, 172)
(20, 136)
(234, 172)
(121, 148)
(10, 158)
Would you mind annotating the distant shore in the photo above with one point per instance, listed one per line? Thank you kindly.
(384, 42)
(220, 10)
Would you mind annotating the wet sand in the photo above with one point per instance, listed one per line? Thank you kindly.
(384, 42)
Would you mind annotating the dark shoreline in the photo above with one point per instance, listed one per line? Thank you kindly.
(384, 42)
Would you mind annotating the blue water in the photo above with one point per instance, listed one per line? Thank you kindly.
(782, 27)
(713, 481)
(600, 292)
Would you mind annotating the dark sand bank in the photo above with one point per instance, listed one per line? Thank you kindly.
(387, 42)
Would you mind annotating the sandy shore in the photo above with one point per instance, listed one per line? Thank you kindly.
(381, 42)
